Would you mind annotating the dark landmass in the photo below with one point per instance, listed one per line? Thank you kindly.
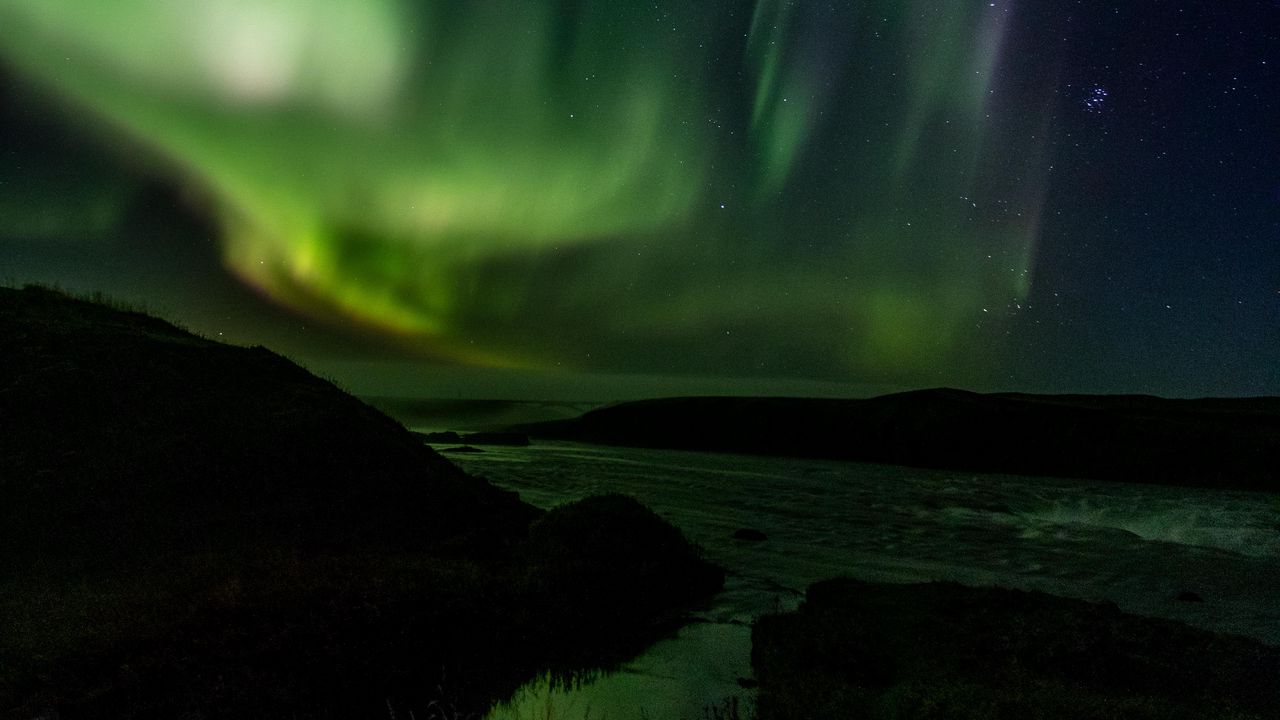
(477, 438)
(1225, 443)
(461, 449)
(497, 438)
(946, 651)
(190, 529)
(446, 436)
(475, 414)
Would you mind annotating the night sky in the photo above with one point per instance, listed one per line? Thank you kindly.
(540, 198)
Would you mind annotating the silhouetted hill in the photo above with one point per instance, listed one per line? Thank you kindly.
(471, 414)
(133, 433)
(1212, 442)
(190, 529)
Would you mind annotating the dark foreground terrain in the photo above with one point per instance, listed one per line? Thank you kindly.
(1224, 443)
(949, 652)
(193, 530)
(189, 529)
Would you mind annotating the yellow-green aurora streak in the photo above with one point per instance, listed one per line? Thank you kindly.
(580, 183)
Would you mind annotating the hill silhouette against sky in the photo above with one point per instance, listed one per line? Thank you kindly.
(191, 527)
(1231, 443)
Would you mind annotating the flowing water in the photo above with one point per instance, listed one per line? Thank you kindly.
(1139, 546)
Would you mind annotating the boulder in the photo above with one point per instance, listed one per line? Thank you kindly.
(943, 650)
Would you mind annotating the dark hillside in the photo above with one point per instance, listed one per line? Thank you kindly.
(190, 529)
(116, 424)
(1231, 443)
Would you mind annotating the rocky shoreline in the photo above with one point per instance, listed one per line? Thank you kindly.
(943, 650)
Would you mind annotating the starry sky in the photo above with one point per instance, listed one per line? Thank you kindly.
(565, 198)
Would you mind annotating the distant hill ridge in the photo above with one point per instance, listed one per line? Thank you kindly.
(1216, 442)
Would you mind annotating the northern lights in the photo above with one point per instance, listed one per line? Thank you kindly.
(856, 192)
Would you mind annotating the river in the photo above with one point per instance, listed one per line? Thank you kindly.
(1137, 545)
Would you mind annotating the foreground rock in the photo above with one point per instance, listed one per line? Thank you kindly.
(189, 529)
(612, 552)
(943, 650)
(1212, 443)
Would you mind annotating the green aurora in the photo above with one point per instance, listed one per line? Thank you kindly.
(772, 188)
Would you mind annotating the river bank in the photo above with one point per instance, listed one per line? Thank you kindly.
(1139, 546)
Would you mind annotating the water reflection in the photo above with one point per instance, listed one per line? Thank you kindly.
(681, 677)
(1136, 545)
